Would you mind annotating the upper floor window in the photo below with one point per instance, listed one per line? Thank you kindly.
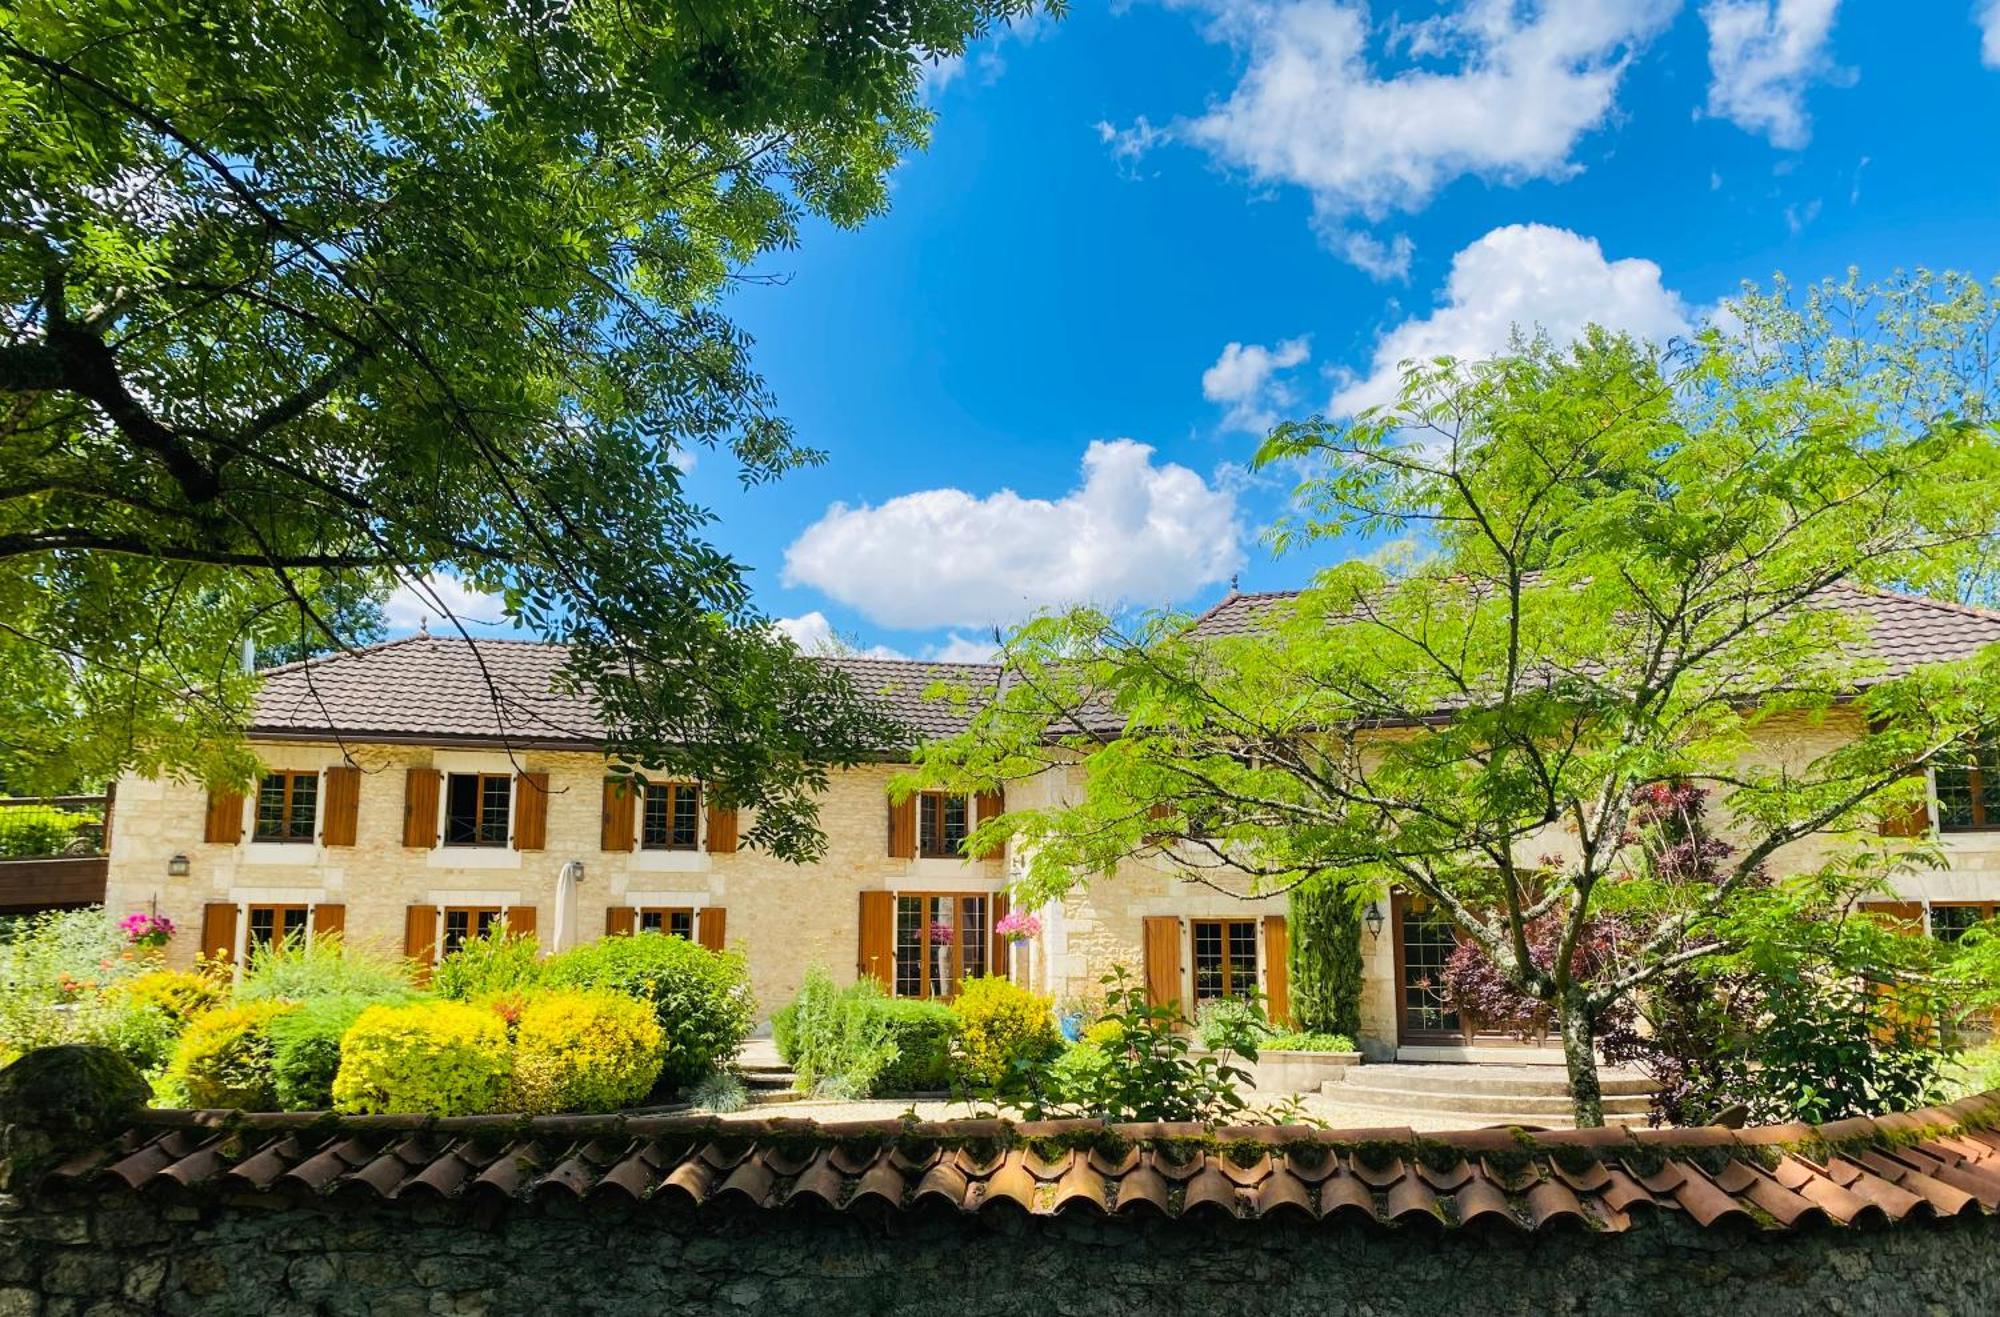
(475, 809)
(1225, 958)
(943, 820)
(1968, 789)
(286, 804)
(671, 820)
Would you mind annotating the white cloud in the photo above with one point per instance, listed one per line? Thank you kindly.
(1245, 378)
(1130, 532)
(964, 649)
(1762, 56)
(1379, 260)
(986, 55)
(1517, 88)
(1988, 18)
(814, 634)
(1532, 276)
(429, 600)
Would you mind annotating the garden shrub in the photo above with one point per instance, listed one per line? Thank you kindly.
(1231, 1024)
(31, 831)
(919, 1034)
(784, 1035)
(1308, 1042)
(224, 1059)
(1323, 957)
(1002, 1027)
(325, 966)
(438, 1057)
(719, 1091)
(857, 1042)
(305, 1050)
(497, 962)
(58, 975)
(700, 997)
(583, 1051)
(180, 995)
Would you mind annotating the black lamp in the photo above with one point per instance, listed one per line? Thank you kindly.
(1373, 919)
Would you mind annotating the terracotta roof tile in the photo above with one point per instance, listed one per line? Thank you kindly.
(1890, 1169)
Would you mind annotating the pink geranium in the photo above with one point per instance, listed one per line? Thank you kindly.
(144, 930)
(1018, 926)
(939, 934)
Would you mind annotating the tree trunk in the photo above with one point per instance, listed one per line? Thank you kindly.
(1575, 1018)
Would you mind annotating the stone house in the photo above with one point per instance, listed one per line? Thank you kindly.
(417, 791)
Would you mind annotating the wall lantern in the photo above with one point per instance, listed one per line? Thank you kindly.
(177, 867)
(1373, 919)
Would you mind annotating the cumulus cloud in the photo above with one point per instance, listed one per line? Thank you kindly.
(1762, 57)
(1493, 89)
(814, 634)
(964, 649)
(1988, 18)
(1533, 276)
(428, 600)
(1130, 532)
(1245, 378)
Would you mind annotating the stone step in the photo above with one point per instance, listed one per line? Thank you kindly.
(772, 1097)
(763, 1068)
(759, 1081)
(1489, 1107)
(1524, 1081)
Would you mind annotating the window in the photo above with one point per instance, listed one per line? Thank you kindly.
(285, 806)
(464, 922)
(475, 810)
(1225, 958)
(942, 824)
(940, 942)
(1968, 789)
(1949, 923)
(674, 922)
(274, 925)
(672, 818)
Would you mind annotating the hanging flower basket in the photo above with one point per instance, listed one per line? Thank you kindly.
(144, 930)
(1018, 926)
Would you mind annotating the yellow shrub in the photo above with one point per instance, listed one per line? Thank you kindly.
(224, 1059)
(179, 994)
(584, 1051)
(440, 1058)
(1000, 1024)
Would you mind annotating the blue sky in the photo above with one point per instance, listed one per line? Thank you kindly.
(1024, 373)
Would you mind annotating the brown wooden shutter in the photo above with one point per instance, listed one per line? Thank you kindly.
(709, 925)
(1911, 821)
(521, 920)
(990, 805)
(340, 807)
(619, 919)
(329, 919)
(1163, 960)
(877, 958)
(531, 811)
(420, 928)
(1277, 974)
(999, 963)
(1903, 916)
(618, 833)
(225, 819)
(903, 829)
(218, 931)
(420, 807)
(721, 830)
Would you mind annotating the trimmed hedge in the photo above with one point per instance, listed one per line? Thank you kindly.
(700, 997)
(224, 1058)
(442, 1058)
(583, 1051)
(856, 1042)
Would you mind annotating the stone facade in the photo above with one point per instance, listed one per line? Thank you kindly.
(121, 1253)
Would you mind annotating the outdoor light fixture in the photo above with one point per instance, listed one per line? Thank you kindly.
(1373, 919)
(177, 867)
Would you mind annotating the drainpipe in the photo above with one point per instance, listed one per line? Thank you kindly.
(566, 885)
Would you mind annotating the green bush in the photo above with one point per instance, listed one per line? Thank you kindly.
(1002, 1028)
(1309, 1042)
(1323, 957)
(224, 1059)
(178, 994)
(583, 1051)
(305, 1050)
(784, 1036)
(1976, 1071)
(440, 1058)
(30, 831)
(325, 966)
(60, 975)
(1231, 1025)
(856, 1042)
(700, 997)
(498, 962)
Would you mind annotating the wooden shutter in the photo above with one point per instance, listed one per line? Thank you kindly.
(990, 805)
(721, 830)
(1277, 975)
(1911, 821)
(903, 829)
(420, 930)
(1903, 916)
(531, 811)
(340, 806)
(619, 833)
(218, 931)
(877, 957)
(619, 919)
(710, 922)
(328, 919)
(999, 962)
(420, 807)
(225, 819)
(1163, 960)
(520, 920)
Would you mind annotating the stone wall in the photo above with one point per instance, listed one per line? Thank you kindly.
(122, 1253)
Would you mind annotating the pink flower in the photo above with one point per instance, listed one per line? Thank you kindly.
(1018, 926)
(939, 934)
(144, 930)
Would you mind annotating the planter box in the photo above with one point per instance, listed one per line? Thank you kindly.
(1275, 1072)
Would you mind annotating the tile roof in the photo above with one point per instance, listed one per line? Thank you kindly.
(1903, 630)
(492, 691)
(1940, 1162)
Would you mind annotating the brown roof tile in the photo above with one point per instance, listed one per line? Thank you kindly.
(1927, 1163)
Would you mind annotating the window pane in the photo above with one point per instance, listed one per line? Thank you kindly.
(930, 834)
(939, 938)
(687, 816)
(954, 824)
(909, 946)
(484, 920)
(1950, 922)
(457, 923)
(972, 937)
(649, 920)
(495, 793)
(461, 816)
(305, 800)
(1989, 785)
(263, 922)
(1207, 960)
(271, 806)
(1242, 958)
(653, 819)
(680, 923)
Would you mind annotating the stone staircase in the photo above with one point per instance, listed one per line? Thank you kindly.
(1473, 1095)
(769, 1080)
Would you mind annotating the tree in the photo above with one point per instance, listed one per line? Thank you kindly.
(1622, 567)
(1323, 950)
(389, 288)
